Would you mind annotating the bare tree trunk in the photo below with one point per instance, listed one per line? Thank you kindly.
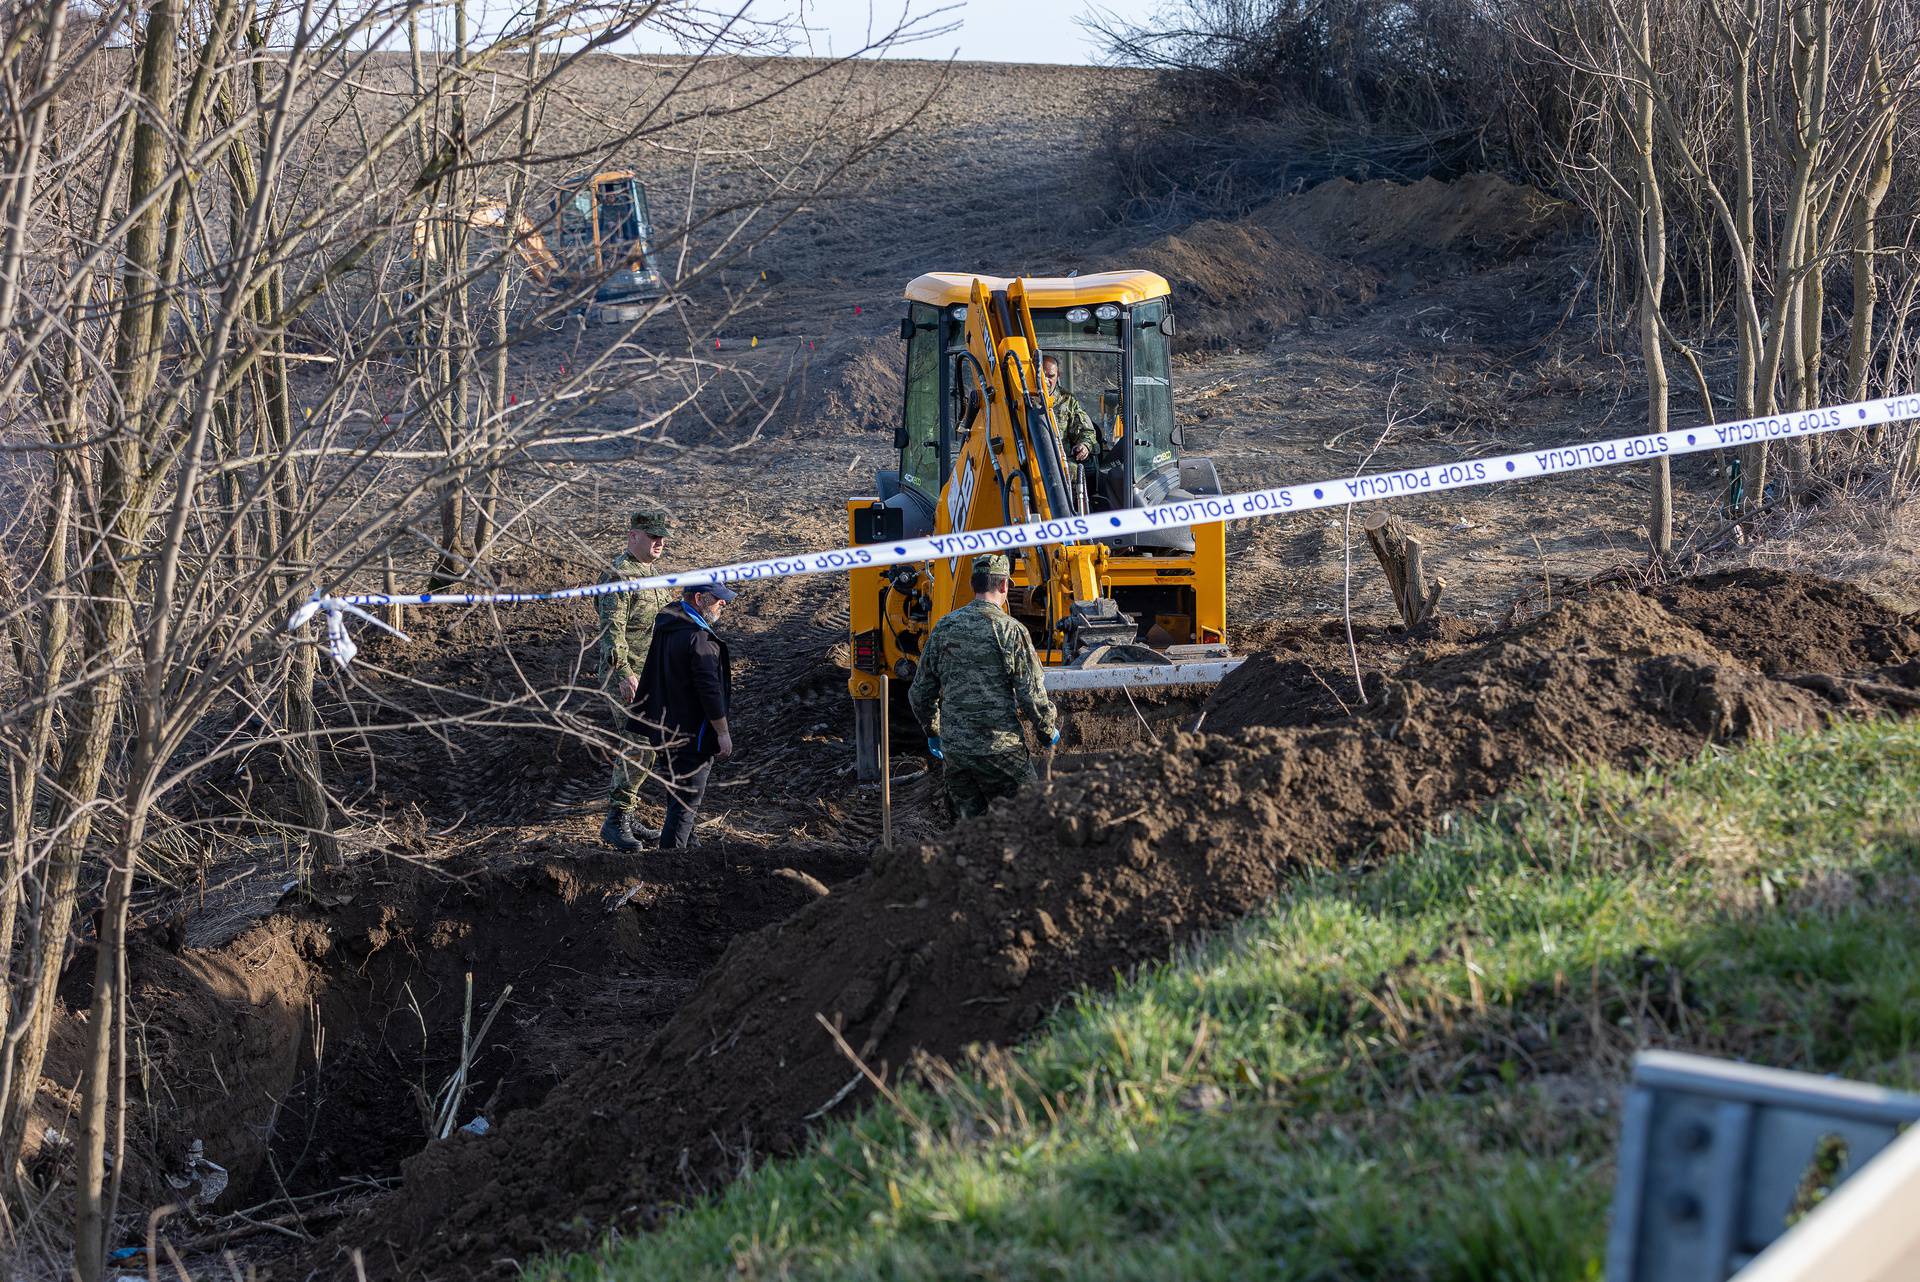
(1403, 559)
(483, 523)
(45, 681)
(1865, 213)
(41, 677)
(1652, 230)
(1748, 471)
(127, 491)
(1812, 25)
(123, 516)
(298, 751)
(280, 490)
(457, 329)
(303, 760)
(1813, 306)
(44, 946)
(25, 166)
(90, 1226)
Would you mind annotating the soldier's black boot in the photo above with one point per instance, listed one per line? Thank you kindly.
(614, 831)
(639, 831)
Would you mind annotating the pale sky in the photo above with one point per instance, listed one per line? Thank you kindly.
(981, 30)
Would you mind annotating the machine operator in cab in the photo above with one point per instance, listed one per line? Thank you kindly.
(1078, 436)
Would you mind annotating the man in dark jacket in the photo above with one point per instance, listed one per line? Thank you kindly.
(686, 689)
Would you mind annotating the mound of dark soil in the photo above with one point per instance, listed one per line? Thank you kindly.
(596, 953)
(1236, 282)
(220, 1039)
(976, 938)
(1304, 675)
(858, 395)
(1812, 625)
(1384, 222)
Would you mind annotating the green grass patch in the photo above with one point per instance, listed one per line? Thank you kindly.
(1407, 1072)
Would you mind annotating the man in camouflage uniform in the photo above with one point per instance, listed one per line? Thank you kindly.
(1078, 437)
(977, 672)
(626, 631)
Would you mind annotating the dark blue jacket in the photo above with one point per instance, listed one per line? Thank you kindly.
(687, 683)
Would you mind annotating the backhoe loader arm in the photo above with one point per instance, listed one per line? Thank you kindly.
(527, 242)
(1016, 442)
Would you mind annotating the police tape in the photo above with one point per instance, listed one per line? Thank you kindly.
(1197, 510)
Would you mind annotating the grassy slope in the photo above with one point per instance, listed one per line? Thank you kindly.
(1410, 1072)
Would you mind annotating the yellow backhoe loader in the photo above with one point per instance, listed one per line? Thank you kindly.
(980, 447)
(602, 242)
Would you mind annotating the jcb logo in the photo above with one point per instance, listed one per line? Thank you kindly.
(959, 504)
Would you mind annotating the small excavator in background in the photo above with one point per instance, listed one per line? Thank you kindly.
(979, 447)
(602, 241)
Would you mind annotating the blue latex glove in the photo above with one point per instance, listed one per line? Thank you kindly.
(933, 747)
(1054, 742)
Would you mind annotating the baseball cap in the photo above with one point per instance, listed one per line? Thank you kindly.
(651, 519)
(720, 590)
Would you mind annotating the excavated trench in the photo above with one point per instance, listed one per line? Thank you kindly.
(315, 1050)
(580, 957)
(664, 1019)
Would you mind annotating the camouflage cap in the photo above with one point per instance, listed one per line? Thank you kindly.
(650, 519)
(993, 563)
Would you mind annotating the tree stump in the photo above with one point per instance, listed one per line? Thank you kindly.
(1400, 556)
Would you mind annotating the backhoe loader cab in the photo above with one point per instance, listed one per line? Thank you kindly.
(602, 240)
(605, 235)
(1114, 351)
(979, 446)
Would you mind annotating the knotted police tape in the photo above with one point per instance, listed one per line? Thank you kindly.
(1198, 510)
(339, 642)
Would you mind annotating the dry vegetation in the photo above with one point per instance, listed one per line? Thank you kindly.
(229, 382)
(1749, 168)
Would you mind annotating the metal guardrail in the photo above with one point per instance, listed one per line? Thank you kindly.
(1713, 1156)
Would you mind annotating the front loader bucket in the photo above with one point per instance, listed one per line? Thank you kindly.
(1134, 667)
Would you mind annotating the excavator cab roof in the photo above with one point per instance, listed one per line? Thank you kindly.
(603, 176)
(1124, 287)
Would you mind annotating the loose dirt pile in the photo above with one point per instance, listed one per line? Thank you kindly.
(1236, 283)
(1316, 254)
(219, 1041)
(850, 387)
(1382, 222)
(975, 938)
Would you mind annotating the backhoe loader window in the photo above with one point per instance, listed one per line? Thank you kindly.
(576, 218)
(617, 222)
(920, 460)
(1093, 379)
(1152, 426)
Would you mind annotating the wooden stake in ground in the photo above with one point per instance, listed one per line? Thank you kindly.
(1400, 556)
(886, 766)
(396, 613)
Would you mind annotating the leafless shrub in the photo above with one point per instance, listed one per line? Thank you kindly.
(1265, 96)
(1744, 154)
(1750, 169)
(230, 380)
